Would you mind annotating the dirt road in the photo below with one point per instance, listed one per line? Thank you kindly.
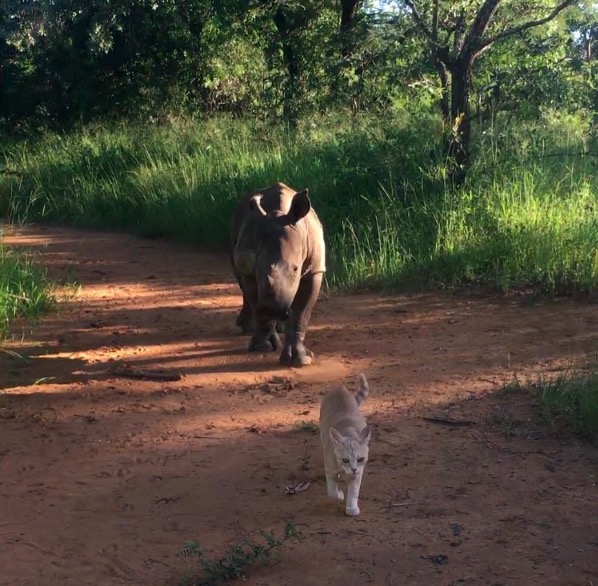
(103, 477)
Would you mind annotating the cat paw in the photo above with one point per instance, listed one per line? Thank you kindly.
(352, 511)
(339, 495)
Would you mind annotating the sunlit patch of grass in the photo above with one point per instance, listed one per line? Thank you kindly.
(567, 403)
(570, 403)
(524, 219)
(25, 290)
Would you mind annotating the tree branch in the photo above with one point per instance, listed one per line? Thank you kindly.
(435, 21)
(420, 22)
(522, 27)
(483, 18)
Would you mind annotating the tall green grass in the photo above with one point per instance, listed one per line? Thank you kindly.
(570, 403)
(25, 290)
(524, 218)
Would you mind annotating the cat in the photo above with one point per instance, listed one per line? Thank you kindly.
(345, 436)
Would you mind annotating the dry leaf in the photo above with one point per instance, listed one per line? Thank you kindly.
(299, 487)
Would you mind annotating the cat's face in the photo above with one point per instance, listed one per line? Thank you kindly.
(351, 453)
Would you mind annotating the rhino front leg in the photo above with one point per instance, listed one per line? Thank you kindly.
(264, 337)
(294, 352)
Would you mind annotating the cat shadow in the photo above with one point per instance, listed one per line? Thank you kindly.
(328, 508)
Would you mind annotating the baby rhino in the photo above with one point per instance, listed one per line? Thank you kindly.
(345, 437)
(278, 256)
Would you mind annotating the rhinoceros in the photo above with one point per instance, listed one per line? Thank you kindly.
(278, 257)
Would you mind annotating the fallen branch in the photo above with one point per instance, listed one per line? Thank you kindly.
(446, 421)
(490, 444)
(298, 487)
(128, 371)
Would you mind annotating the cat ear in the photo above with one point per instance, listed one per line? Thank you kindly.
(365, 434)
(337, 438)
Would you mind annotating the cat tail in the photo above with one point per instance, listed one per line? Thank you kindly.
(363, 389)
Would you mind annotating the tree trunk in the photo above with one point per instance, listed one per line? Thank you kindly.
(348, 10)
(444, 102)
(284, 28)
(458, 144)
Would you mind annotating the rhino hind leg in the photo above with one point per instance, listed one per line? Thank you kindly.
(245, 320)
(245, 317)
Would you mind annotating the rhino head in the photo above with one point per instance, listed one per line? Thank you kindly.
(279, 256)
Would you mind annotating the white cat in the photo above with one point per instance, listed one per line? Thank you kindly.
(345, 437)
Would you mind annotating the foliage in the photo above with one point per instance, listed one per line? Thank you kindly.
(527, 216)
(66, 61)
(25, 290)
(570, 403)
(238, 558)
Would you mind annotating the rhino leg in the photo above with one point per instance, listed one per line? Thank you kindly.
(245, 317)
(244, 320)
(249, 329)
(265, 338)
(294, 352)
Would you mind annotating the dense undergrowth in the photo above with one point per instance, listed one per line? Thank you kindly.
(526, 217)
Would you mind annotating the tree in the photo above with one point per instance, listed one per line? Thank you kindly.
(457, 34)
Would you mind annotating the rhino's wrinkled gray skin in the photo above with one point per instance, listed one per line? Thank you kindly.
(278, 256)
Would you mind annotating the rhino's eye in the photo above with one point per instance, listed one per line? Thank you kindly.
(295, 269)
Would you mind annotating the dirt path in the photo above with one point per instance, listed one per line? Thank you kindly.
(104, 478)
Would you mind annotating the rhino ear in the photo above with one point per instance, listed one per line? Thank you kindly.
(255, 204)
(299, 207)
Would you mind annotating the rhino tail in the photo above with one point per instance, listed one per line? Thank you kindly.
(363, 389)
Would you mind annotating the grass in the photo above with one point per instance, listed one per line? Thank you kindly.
(237, 559)
(310, 427)
(525, 218)
(25, 290)
(570, 403)
(567, 403)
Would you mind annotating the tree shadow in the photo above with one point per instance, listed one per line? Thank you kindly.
(154, 474)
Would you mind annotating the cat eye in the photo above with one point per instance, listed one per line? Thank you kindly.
(345, 460)
(360, 460)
